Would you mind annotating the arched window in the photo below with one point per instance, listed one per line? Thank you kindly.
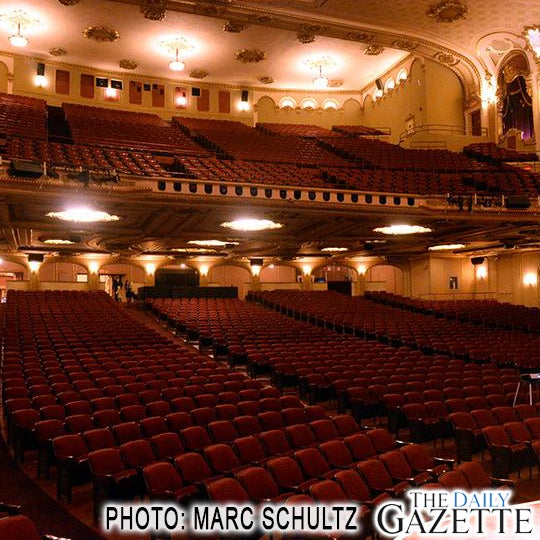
(287, 103)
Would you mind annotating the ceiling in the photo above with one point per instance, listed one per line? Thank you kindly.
(342, 29)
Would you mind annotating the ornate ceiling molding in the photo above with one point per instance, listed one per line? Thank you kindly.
(234, 27)
(448, 11)
(128, 64)
(57, 51)
(154, 10)
(101, 34)
(249, 56)
(198, 74)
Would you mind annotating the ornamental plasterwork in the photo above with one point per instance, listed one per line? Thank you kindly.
(57, 51)
(154, 10)
(359, 36)
(198, 73)
(69, 2)
(101, 34)
(335, 83)
(448, 59)
(373, 50)
(448, 11)
(248, 56)
(126, 63)
(234, 27)
(404, 44)
(265, 79)
(305, 38)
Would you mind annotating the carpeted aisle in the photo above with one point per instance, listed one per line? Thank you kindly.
(48, 516)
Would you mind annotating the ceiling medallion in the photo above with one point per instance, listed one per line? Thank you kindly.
(265, 79)
(359, 36)
(176, 45)
(448, 11)
(209, 8)
(101, 34)
(57, 51)
(305, 38)
(198, 74)
(335, 83)
(19, 19)
(373, 50)
(234, 27)
(128, 64)
(69, 2)
(448, 59)
(404, 44)
(154, 10)
(248, 56)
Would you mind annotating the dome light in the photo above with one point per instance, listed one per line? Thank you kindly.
(83, 215)
(402, 229)
(446, 247)
(252, 225)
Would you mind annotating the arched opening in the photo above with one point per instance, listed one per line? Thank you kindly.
(62, 275)
(12, 276)
(279, 277)
(228, 275)
(118, 279)
(385, 277)
(516, 103)
(337, 277)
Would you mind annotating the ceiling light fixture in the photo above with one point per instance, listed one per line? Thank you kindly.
(18, 40)
(83, 215)
(58, 241)
(177, 64)
(212, 243)
(249, 224)
(402, 229)
(446, 247)
(334, 249)
(320, 81)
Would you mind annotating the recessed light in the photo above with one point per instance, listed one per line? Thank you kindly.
(402, 229)
(334, 249)
(83, 215)
(212, 243)
(252, 225)
(194, 250)
(58, 241)
(446, 247)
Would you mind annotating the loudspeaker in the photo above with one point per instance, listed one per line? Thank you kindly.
(26, 169)
(196, 92)
(40, 69)
(518, 201)
(477, 260)
(379, 84)
(245, 95)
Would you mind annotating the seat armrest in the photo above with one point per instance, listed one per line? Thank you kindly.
(501, 481)
(10, 509)
(445, 461)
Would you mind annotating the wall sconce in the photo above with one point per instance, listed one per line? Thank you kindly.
(40, 80)
(203, 270)
(34, 265)
(306, 270)
(111, 93)
(361, 269)
(93, 267)
(256, 266)
(34, 261)
(150, 269)
(181, 101)
(481, 272)
(244, 101)
(530, 279)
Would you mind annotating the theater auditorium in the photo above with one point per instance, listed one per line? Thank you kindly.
(277, 251)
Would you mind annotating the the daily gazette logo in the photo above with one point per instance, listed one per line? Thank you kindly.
(465, 513)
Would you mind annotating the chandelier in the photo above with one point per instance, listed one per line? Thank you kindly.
(318, 64)
(18, 20)
(177, 47)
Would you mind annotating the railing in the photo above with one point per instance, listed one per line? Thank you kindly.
(440, 128)
(473, 295)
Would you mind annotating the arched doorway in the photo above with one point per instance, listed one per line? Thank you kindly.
(228, 275)
(385, 277)
(12, 276)
(62, 275)
(113, 278)
(337, 277)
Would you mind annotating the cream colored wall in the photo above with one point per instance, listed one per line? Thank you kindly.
(60, 271)
(278, 274)
(384, 277)
(443, 96)
(229, 275)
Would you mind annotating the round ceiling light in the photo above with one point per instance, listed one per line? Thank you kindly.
(446, 247)
(402, 229)
(212, 243)
(334, 249)
(18, 40)
(83, 215)
(177, 65)
(252, 225)
(58, 241)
